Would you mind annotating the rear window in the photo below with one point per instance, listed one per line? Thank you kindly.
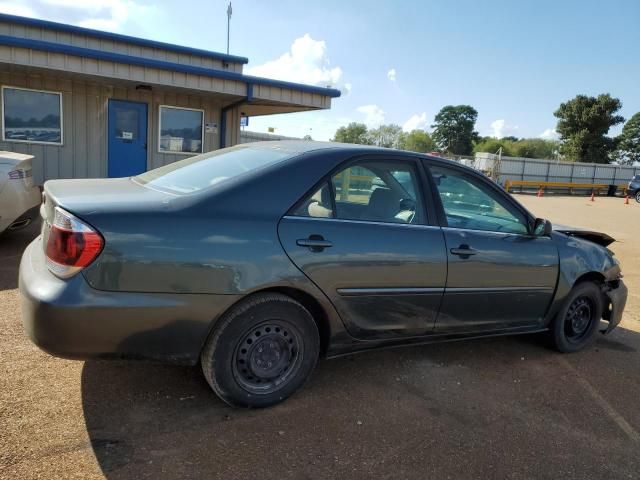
(212, 168)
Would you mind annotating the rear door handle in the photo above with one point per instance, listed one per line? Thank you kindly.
(464, 251)
(315, 243)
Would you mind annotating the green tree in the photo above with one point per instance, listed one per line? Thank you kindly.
(526, 147)
(385, 136)
(352, 133)
(492, 145)
(454, 129)
(416, 141)
(583, 124)
(628, 151)
(535, 148)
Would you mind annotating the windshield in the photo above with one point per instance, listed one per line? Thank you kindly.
(203, 171)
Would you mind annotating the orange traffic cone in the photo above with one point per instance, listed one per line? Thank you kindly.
(539, 193)
(593, 197)
(626, 199)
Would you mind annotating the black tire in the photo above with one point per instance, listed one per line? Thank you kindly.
(638, 196)
(261, 351)
(578, 320)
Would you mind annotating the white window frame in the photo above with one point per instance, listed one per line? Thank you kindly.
(169, 152)
(4, 139)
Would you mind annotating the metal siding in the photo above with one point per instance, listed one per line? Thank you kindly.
(517, 168)
(76, 40)
(65, 155)
(88, 64)
(22, 55)
(80, 130)
(508, 167)
(232, 129)
(286, 95)
(114, 46)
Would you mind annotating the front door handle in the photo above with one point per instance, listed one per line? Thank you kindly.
(464, 251)
(315, 243)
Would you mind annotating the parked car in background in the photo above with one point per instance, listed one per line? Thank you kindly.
(634, 188)
(19, 198)
(257, 259)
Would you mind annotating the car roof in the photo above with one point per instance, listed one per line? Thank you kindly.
(304, 146)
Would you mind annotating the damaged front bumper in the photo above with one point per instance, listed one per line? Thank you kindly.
(616, 294)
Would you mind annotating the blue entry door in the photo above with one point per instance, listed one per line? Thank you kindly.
(127, 138)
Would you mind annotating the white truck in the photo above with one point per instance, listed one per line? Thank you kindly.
(19, 197)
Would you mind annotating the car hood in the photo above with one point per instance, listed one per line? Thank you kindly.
(595, 237)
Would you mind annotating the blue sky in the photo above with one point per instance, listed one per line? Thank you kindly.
(400, 62)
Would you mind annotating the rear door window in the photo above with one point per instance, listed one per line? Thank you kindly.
(204, 171)
(375, 191)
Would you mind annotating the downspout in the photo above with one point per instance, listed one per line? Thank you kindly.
(223, 119)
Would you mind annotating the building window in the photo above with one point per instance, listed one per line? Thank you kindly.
(181, 130)
(31, 116)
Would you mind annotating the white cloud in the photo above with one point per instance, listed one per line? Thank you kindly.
(100, 14)
(320, 125)
(374, 115)
(416, 122)
(391, 74)
(346, 88)
(15, 8)
(306, 62)
(501, 129)
(550, 134)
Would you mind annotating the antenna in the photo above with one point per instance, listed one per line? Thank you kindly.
(229, 12)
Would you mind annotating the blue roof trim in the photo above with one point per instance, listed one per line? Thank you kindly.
(161, 64)
(143, 42)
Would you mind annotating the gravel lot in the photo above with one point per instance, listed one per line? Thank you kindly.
(496, 408)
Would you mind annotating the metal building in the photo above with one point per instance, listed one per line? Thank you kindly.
(88, 103)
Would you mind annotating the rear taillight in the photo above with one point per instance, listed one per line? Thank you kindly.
(71, 244)
(19, 173)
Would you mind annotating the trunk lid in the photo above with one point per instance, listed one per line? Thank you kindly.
(96, 200)
(97, 196)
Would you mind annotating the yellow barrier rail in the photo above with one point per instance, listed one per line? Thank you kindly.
(542, 185)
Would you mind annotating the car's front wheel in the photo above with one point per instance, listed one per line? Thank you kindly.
(638, 196)
(577, 321)
(261, 351)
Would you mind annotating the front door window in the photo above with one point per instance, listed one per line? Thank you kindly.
(469, 204)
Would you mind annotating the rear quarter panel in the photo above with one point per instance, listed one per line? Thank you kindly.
(222, 242)
(225, 243)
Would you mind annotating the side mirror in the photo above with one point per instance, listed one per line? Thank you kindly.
(542, 228)
(408, 204)
(438, 178)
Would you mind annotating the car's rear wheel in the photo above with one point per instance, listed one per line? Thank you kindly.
(577, 321)
(261, 351)
(638, 196)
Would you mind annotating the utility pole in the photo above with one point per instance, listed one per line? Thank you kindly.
(229, 11)
(497, 166)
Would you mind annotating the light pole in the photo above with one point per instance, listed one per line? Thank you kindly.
(229, 12)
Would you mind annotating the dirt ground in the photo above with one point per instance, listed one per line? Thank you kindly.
(495, 408)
